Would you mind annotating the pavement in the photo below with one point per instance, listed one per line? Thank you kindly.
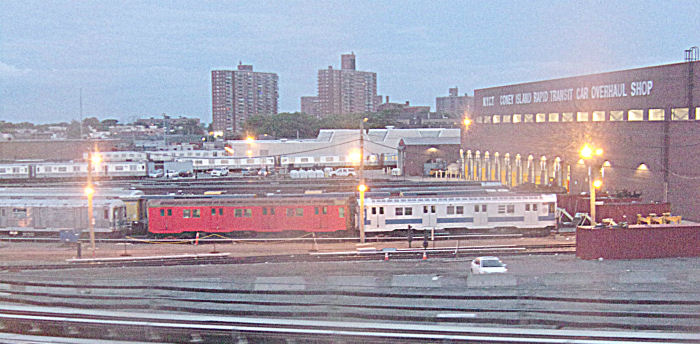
(15, 253)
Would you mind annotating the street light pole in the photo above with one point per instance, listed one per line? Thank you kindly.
(591, 190)
(90, 191)
(588, 154)
(93, 159)
(362, 187)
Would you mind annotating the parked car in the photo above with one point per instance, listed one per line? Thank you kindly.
(156, 174)
(488, 265)
(219, 172)
(171, 174)
(343, 172)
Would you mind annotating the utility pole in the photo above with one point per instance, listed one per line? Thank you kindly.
(81, 113)
(93, 159)
(362, 187)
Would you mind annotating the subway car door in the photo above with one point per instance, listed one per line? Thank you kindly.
(481, 215)
(429, 216)
(531, 214)
(377, 217)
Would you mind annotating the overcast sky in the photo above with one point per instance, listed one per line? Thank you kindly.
(134, 58)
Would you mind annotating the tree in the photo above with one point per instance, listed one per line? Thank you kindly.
(287, 125)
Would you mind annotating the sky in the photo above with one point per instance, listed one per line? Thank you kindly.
(145, 58)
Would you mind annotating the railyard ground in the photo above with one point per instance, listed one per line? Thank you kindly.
(13, 253)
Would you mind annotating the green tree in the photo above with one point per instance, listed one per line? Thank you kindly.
(286, 125)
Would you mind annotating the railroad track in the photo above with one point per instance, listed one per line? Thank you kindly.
(331, 314)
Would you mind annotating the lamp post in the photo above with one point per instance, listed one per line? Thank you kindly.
(362, 187)
(588, 153)
(94, 158)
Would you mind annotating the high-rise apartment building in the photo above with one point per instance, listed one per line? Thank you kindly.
(239, 94)
(454, 104)
(343, 91)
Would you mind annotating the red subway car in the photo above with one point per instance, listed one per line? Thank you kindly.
(233, 216)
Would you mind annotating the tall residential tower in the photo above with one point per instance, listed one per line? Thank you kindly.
(343, 91)
(239, 94)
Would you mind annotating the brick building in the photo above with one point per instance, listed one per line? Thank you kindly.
(646, 120)
(239, 94)
(454, 104)
(343, 91)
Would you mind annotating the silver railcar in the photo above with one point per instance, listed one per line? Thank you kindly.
(52, 215)
(470, 212)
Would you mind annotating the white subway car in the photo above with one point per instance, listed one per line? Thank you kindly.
(502, 210)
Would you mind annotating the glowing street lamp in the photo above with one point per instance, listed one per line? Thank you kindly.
(355, 156)
(467, 122)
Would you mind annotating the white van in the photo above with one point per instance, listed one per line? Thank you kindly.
(344, 172)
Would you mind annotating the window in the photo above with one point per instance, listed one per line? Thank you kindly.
(450, 210)
(460, 209)
(487, 119)
(657, 114)
(381, 210)
(479, 119)
(528, 118)
(290, 212)
(540, 117)
(106, 214)
(374, 210)
(483, 208)
(510, 209)
(170, 212)
(554, 117)
(582, 117)
(506, 118)
(341, 212)
(567, 117)
(300, 212)
(517, 118)
(679, 114)
(635, 115)
(496, 119)
(272, 211)
(432, 209)
(315, 210)
(527, 207)
(399, 211)
(501, 208)
(162, 212)
(195, 213)
(186, 213)
(598, 116)
(534, 207)
(238, 212)
(221, 211)
(264, 211)
(325, 210)
(616, 116)
(247, 212)
(550, 208)
(408, 211)
(476, 208)
(425, 209)
(76, 168)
